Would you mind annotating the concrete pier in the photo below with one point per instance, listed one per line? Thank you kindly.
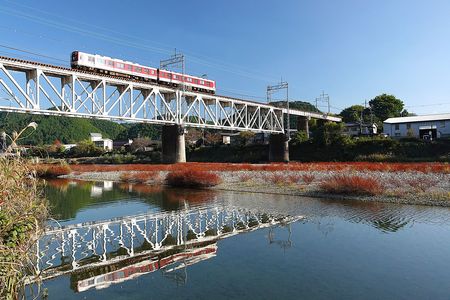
(303, 125)
(278, 148)
(173, 144)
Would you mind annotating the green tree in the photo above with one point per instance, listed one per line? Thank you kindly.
(352, 114)
(386, 106)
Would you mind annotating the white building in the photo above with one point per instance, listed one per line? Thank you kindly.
(356, 129)
(423, 127)
(99, 141)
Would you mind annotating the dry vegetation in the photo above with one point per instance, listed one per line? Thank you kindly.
(22, 211)
(52, 171)
(322, 166)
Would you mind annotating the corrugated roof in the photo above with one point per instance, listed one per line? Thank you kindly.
(424, 118)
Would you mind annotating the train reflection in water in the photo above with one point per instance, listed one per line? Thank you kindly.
(168, 261)
(99, 253)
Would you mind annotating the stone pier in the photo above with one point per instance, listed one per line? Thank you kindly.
(278, 148)
(173, 144)
(303, 125)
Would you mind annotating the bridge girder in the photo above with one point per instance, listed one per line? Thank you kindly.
(48, 90)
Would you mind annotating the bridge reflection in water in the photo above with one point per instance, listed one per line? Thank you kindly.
(100, 253)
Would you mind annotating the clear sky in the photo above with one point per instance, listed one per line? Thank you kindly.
(351, 49)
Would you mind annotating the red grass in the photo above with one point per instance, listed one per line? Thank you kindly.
(293, 166)
(351, 185)
(293, 178)
(52, 171)
(308, 178)
(192, 179)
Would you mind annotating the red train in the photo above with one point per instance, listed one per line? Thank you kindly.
(118, 67)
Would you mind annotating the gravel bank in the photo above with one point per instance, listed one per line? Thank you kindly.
(398, 187)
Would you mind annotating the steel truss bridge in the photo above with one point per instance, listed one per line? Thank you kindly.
(43, 89)
(74, 247)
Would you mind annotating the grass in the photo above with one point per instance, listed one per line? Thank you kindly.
(22, 212)
(351, 185)
(52, 171)
(273, 167)
(192, 179)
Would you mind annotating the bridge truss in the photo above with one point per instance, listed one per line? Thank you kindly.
(78, 246)
(36, 88)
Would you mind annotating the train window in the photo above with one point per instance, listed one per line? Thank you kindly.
(202, 82)
(174, 76)
(110, 62)
(137, 69)
(128, 67)
(145, 71)
(101, 61)
(120, 65)
(91, 58)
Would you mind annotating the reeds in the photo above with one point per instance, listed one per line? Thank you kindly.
(22, 211)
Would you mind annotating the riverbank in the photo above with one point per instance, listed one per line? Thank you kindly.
(420, 183)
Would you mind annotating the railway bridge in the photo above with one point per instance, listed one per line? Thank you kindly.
(37, 88)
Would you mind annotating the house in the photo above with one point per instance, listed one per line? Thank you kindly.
(122, 143)
(99, 141)
(423, 127)
(356, 129)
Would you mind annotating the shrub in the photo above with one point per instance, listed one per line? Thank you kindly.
(351, 185)
(192, 179)
(52, 171)
(85, 149)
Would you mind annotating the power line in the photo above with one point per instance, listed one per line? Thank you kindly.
(77, 29)
(33, 53)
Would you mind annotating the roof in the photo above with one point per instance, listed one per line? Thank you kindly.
(424, 118)
(94, 134)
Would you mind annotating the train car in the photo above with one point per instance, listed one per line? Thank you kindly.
(112, 66)
(117, 67)
(190, 82)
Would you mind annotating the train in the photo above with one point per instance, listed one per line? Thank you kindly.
(125, 69)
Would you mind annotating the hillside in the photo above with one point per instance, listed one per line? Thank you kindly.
(300, 105)
(71, 130)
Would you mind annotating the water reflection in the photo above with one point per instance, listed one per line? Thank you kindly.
(170, 262)
(93, 244)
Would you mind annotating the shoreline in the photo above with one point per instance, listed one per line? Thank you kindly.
(259, 182)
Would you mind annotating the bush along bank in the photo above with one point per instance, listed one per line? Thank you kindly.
(22, 213)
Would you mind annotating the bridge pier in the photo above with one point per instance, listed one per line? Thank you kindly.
(173, 144)
(303, 125)
(278, 148)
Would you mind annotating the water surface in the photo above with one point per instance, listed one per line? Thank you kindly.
(340, 250)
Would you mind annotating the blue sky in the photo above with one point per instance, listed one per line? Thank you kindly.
(351, 49)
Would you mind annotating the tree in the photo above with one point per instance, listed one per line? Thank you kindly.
(352, 114)
(386, 106)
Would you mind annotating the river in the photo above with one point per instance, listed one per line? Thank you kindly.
(121, 241)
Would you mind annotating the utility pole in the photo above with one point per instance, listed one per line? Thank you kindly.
(323, 98)
(177, 60)
(271, 89)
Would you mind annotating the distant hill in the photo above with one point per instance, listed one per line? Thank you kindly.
(71, 130)
(300, 105)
